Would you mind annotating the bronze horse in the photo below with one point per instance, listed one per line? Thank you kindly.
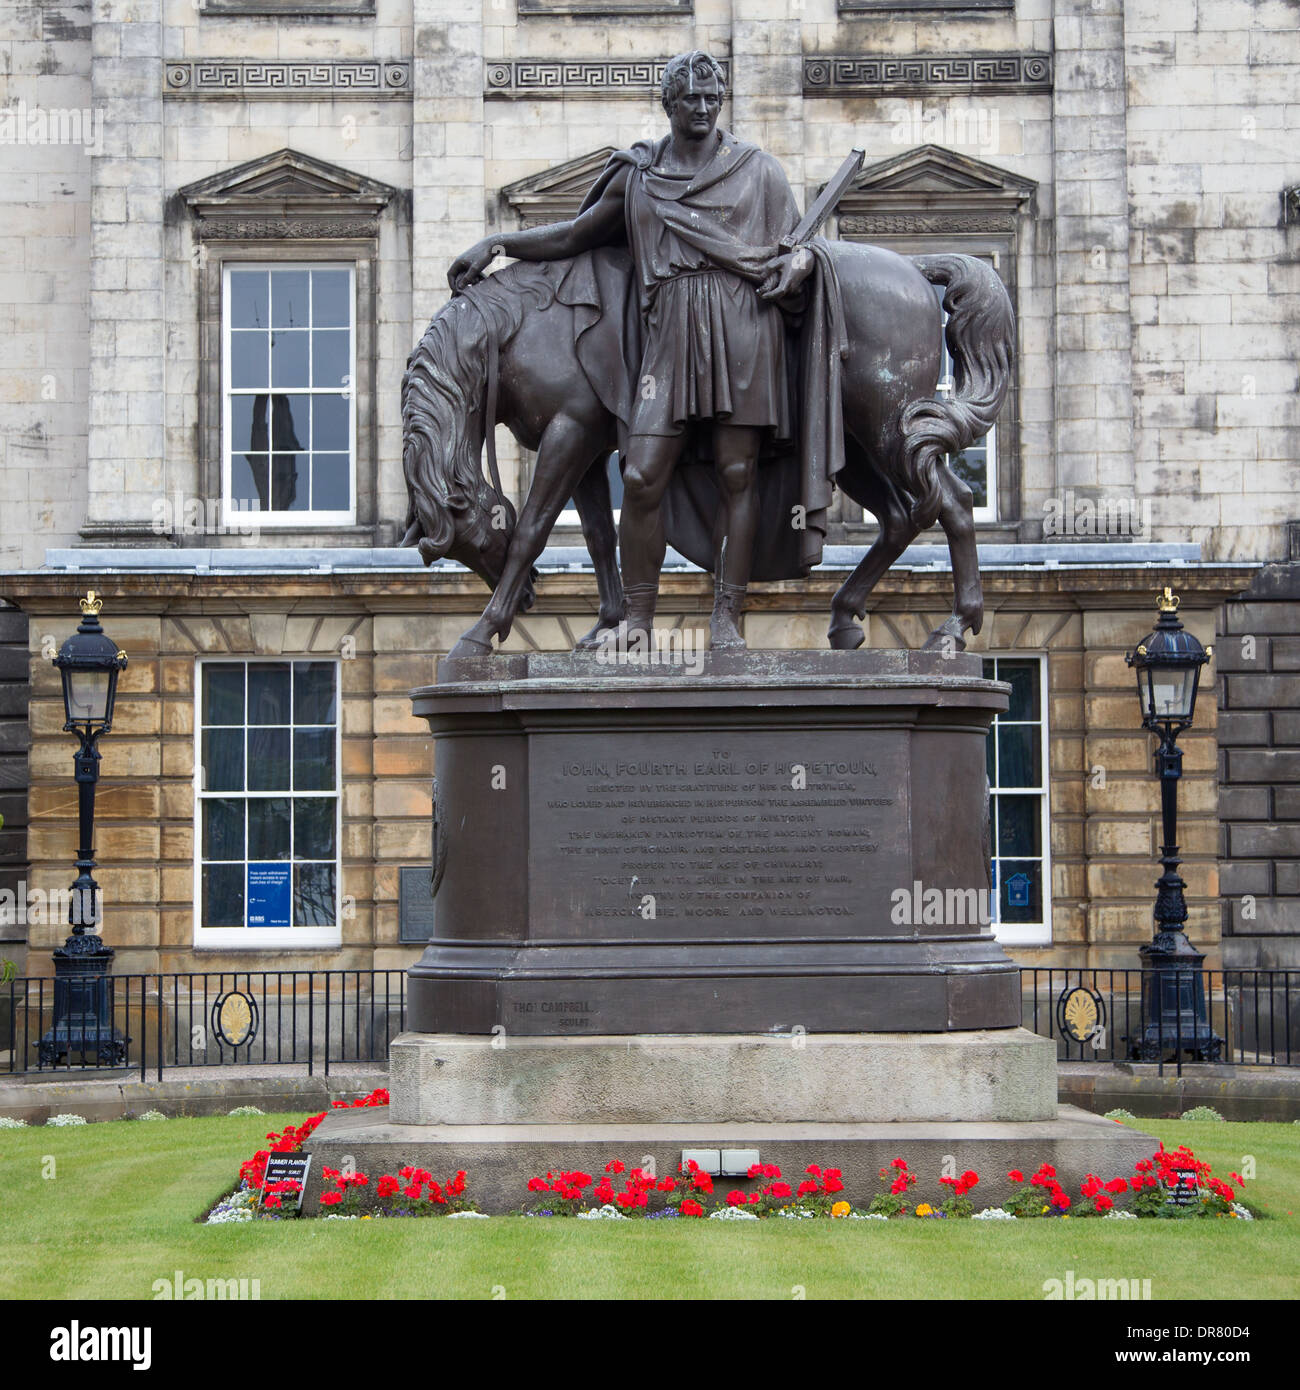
(510, 343)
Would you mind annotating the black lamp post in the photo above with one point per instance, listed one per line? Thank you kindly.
(1168, 664)
(83, 1013)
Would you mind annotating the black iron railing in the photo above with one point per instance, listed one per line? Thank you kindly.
(322, 1018)
(260, 1018)
(1170, 1017)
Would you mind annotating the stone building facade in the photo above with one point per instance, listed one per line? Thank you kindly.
(174, 167)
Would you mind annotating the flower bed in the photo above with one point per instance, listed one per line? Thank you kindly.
(623, 1194)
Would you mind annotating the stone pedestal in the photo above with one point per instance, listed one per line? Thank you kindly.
(756, 842)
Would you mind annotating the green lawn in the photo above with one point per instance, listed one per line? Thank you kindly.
(118, 1213)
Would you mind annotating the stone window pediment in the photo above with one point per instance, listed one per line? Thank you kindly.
(286, 194)
(555, 194)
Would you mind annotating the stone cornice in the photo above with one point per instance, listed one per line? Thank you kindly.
(560, 77)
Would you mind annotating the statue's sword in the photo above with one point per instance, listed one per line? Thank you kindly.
(825, 204)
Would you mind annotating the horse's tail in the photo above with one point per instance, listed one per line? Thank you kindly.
(981, 335)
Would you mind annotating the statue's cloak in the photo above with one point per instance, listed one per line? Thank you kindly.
(608, 293)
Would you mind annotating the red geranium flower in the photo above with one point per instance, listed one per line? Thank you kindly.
(806, 1189)
(690, 1208)
(1016, 1175)
(329, 1199)
(614, 1166)
(736, 1198)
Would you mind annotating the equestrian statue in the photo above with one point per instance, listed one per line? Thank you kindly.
(742, 366)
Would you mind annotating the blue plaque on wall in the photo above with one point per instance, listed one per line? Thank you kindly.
(270, 888)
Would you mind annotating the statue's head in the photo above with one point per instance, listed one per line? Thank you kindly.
(698, 79)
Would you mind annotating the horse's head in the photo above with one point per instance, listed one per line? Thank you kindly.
(453, 510)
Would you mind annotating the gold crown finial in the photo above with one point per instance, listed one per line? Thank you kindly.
(91, 604)
(1168, 601)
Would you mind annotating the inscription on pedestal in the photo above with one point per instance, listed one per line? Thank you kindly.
(738, 827)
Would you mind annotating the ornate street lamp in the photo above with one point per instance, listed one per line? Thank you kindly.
(1168, 664)
(83, 1018)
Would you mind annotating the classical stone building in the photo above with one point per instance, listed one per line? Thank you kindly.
(225, 223)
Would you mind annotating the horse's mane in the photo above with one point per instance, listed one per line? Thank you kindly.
(442, 393)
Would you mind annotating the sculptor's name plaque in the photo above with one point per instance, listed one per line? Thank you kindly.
(748, 827)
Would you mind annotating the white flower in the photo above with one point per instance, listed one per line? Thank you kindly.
(62, 1120)
(473, 1215)
(866, 1216)
(8, 1122)
(152, 1115)
(796, 1215)
(337, 1216)
(732, 1214)
(246, 1110)
(224, 1213)
(1117, 1215)
(1243, 1212)
(606, 1213)
(993, 1214)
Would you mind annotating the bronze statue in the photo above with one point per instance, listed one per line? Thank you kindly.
(742, 367)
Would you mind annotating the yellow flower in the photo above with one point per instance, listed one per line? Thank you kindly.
(925, 1209)
(840, 1209)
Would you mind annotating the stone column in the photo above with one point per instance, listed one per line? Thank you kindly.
(128, 349)
(1093, 396)
(447, 167)
(767, 82)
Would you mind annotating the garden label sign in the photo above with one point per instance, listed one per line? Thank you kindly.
(1186, 1191)
(289, 1167)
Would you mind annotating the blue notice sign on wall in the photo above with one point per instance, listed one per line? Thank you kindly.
(269, 895)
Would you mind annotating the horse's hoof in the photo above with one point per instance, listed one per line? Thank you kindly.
(468, 647)
(846, 637)
(944, 639)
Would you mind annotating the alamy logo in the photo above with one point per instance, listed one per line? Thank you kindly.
(1070, 1288)
(919, 906)
(179, 1287)
(945, 125)
(1103, 516)
(21, 124)
(77, 1343)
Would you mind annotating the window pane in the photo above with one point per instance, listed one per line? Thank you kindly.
(244, 420)
(289, 358)
(1019, 825)
(268, 760)
(249, 290)
(313, 692)
(248, 473)
(290, 423)
(290, 483)
(313, 827)
(972, 467)
(331, 485)
(1020, 890)
(1019, 762)
(223, 760)
(268, 827)
(313, 760)
(331, 357)
(313, 895)
(223, 694)
(223, 828)
(223, 895)
(289, 305)
(268, 692)
(329, 424)
(248, 359)
(331, 299)
(1023, 679)
(990, 765)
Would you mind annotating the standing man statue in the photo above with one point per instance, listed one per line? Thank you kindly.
(703, 215)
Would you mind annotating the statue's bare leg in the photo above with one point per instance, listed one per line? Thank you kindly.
(735, 454)
(595, 511)
(562, 458)
(957, 517)
(863, 482)
(651, 459)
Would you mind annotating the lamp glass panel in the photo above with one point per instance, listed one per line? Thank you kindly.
(1171, 692)
(86, 693)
